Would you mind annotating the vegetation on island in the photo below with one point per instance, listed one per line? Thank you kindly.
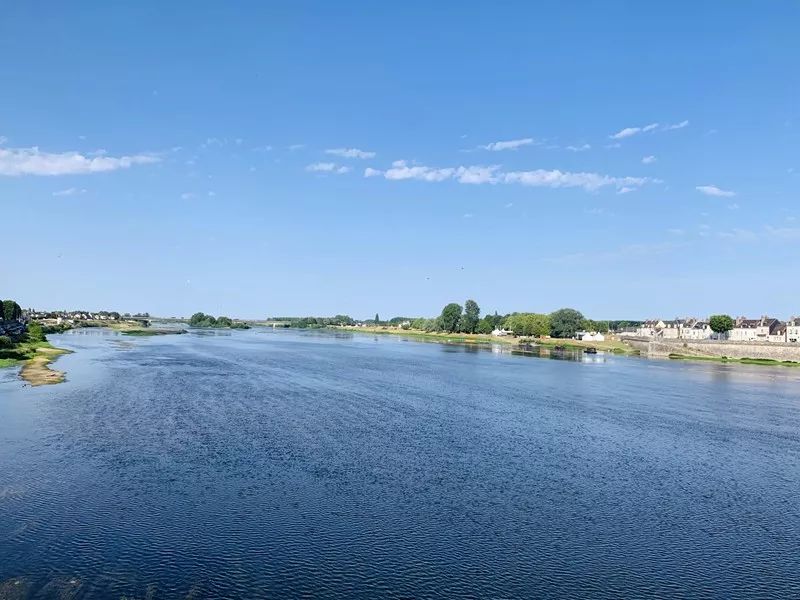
(199, 319)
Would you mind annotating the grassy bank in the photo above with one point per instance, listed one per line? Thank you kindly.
(479, 338)
(462, 338)
(35, 358)
(742, 361)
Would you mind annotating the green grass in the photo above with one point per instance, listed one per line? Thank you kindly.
(769, 362)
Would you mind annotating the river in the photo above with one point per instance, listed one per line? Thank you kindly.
(285, 464)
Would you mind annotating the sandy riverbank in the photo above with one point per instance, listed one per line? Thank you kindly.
(36, 370)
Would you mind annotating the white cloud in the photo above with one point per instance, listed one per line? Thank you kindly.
(712, 190)
(626, 190)
(327, 167)
(32, 161)
(649, 160)
(509, 205)
(266, 148)
(350, 153)
(507, 145)
(478, 174)
(468, 215)
(565, 179)
(676, 231)
(70, 192)
(3, 139)
(631, 131)
(401, 170)
(187, 196)
(680, 125)
(294, 147)
(581, 148)
(733, 206)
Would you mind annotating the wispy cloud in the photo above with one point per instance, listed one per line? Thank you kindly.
(631, 131)
(712, 190)
(70, 192)
(738, 235)
(187, 195)
(649, 160)
(294, 147)
(32, 161)
(350, 153)
(3, 139)
(581, 148)
(478, 174)
(680, 125)
(564, 179)
(507, 145)
(327, 167)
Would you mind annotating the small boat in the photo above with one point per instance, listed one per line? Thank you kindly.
(590, 350)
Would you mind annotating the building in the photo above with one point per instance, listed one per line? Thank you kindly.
(793, 330)
(765, 329)
(698, 330)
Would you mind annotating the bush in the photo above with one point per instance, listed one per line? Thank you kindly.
(36, 333)
(5, 342)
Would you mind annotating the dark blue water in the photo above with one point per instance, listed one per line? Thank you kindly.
(266, 464)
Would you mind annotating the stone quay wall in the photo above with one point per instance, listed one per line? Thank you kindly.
(769, 350)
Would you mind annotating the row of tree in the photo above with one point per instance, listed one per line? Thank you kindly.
(454, 318)
(199, 319)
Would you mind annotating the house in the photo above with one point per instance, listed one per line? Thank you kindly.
(501, 332)
(698, 330)
(755, 330)
(671, 329)
(793, 330)
(779, 334)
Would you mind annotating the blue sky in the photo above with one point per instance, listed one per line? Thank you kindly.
(627, 159)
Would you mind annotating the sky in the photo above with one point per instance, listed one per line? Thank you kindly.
(255, 159)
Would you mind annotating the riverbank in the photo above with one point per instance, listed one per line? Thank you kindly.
(769, 362)
(35, 358)
(614, 346)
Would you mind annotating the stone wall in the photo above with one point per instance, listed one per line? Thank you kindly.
(769, 350)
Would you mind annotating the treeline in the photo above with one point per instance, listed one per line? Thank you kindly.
(316, 322)
(562, 323)
(199, 319)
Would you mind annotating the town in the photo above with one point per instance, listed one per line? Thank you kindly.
(742, 329)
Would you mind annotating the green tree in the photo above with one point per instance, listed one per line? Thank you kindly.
(36, 333)
(450, 317)
(6, 342)
(720, 323)
(485, 325)
(472, 314)
(224, 322)
(11, 310)
(565, 322)
(377, 319)
(528, 324)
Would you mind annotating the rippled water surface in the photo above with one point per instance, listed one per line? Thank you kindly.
(263, 464)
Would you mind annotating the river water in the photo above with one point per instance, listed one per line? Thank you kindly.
(284, 464)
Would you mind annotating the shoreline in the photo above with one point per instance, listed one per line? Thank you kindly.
(35, 359)
(614, 346)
